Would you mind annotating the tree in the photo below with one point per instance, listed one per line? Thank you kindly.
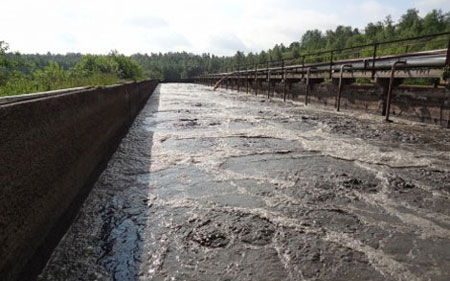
(262, 57)
(122, 66)
(410, 24)
(295, 51)
(4, 62)
(389, 28)
(433, 22)
(17, 71)
(276, 54)
(239, 58)
(312, 40)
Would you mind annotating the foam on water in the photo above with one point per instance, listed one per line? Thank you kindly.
(219, 185)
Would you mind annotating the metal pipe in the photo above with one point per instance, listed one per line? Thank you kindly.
(303, 67)
(238, 79)
(256, 80)
(338, 98)
(246, 82)
(268, 79)
(391, 86)
(447, 57)
(380, 43)
(373, 44)
(377, 43)
(284, 80)
(426, 59)
(435, 58)
(331, 64)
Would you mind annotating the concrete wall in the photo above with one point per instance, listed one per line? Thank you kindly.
(51, 148)
(423, 104)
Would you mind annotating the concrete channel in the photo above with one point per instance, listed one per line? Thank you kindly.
(226, 186)
(53, 147)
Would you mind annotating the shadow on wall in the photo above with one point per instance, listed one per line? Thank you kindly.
(52, 151)
(107, 236)
(125, 212)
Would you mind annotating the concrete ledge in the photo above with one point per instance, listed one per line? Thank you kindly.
(17, 98)
(50, 146)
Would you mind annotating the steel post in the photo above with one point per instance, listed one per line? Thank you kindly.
(391, 86)
(447, 58)
(246, 81)
(338, 98)
(303, 67)
(374, 57)
(331, 64)
(307, 85)
(256, 80)
(284, 81)
(238, 78)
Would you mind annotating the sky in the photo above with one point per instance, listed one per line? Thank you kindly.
(218, 27)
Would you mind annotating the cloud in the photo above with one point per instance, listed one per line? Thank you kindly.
(147, 22)
(375, 10)
(172, 41)
(215, 26)
(360, 13)
(69, 41)
(426, 6)
(227, 44)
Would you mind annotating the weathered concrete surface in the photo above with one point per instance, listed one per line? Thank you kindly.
(51, 146)
(416, 103)
(225, 186)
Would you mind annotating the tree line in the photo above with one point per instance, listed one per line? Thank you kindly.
(182, 65)
(409, 25)
(23, 73)
(35, 73)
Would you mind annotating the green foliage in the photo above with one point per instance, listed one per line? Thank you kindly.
(52, 77)
(39, 61)
(3, 62)
(127, 67)
(276, 53)
(446, 73)
(420, 81)
(8, 62)
(314, 41)
(24, 74)
(3, 48)
(114, 63)
(90, 64)
(34, 72)
(176, 66)
(363, 80)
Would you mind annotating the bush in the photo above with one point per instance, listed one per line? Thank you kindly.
(114, 63)
(128, 68)
(18, 76)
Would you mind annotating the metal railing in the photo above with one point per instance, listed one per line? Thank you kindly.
(369, 54)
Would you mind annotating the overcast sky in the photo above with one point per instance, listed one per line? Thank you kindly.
(215, 26)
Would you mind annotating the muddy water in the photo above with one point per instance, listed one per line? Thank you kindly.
(226, 186)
